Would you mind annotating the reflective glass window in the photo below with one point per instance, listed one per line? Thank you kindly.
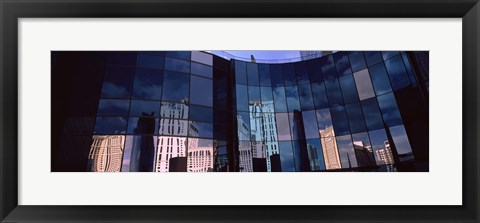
(253, 94)
(330, 149)
(171, 149)
(117, 82)
(139, 153)
(297, 128)
(363, 150)
(288, 71)
(144, 108)
(173, 127)
(310, 124)
(301, 73)
(339, 120)
(373, 57)
(306, 99)
(245, 156)
(364, 85)
(252, 74)
(145, 60)
(357, 61)
(177, 65)
(345, 149)
(280, 99)
(174, 110)
(200, 129)
(292, 98)
(388, 54)
(349, 91)
(176, 86)
(319, 95)
(283, 126)
(381, 147)
(243, 125)
(324, 119)
(315, 154)
(389, 109)
(264, 75)
(373, 117)
(396, 71)
(355, 118)
(380, 80)
(342, 62)
(202, 57)
(147, 84)
(240, 72)
(202, 70)
(185, 55)
(266, 94)
(286, 156)
(334, 93)
(110, 125)
(145, 125)
(113, 107)
(200, 157)
(242, 97)
(328, 67)
(201, 91)
(402, 144)
(408, 66)
(315, 72)
(276, 75)
(198, 113)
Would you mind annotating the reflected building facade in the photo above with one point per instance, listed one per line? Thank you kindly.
(191, 111)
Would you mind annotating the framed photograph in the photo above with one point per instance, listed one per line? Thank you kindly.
(227, 111)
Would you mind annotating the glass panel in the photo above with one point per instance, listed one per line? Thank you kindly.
(242, 97)
(347, 155)
(373, 117)
(148, 84)
(280, 99)
(173, 127)
(245, 156)
(363, 150)
(144, 108)
(301, 73)
(297, 129)
(310, 124)
(252, 74)
(117, 82)
(144, 125)
(324, 119)
(357, 61)
(402, 144)
(410, 73)
(109, 107)
(273, 157)
(253, 94)
(396, 71)
(306, 99)
(315, 154)
(264, 74)
(276, 75)
(267, 94)
(110, 125)
(171, 154)
(373, 57)
(286, 156)
(292, 98)
(202, 70)
(334, 93)
(364, 85)
(348, 89)
(389, 109)
(176, 87)
(330, 149)
(243, 124)
(240, 72)
(315, 70)
(200, 129)
(174, 110)
(328, 67)
(381, 147)
(288, 71)
(343, 64)
(201, 91)
(198, 113)
(202, 58)
(145, 60)
(380, 79)
(355, 117)
(106, 153)
(200, 155)
(178, 54)
(319, 95)
(177, 65)
(339, 119)
(283, 126)
(388, 54)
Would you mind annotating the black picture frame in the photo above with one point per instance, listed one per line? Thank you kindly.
(12, 10)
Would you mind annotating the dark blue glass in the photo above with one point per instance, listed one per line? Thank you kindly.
(297, 129)
(286, 156)
(388, 54)
(343, 63)
(373, 117)
(141, 108)
(389, 109)
(200, 129)
(203, 114)
(202, 70)
(355, 118)
(373, 57)
(410, 73)
(177, 65)
(363, 150)
(242, 97)
(319, 95)
(288, 71)
(185, 55)
(324, 119)
(310, 124)
(380, 80)
(349, 90)
(333, 92)
(176, 86)
(146, 60)
(339, 120)
(346, 152)
(396, 71)
(117, 82)
(254, 94)
(283, 126)
(328, 67)
(240, 72)
(301, 73)
(110, 125)
(243, 126)
(264, 75)
(293, 102)
(315, 154)
(357, 61)
(276, 75)
(280, 99)
(201, 91)
(147, 84)
(113, 107)
(306, 99)
(379, 139)
(252, 74)
(402, 144)
(266, 94)
(315, 72)
(142, 125)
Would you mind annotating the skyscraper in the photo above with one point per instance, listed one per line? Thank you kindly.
(330, 149)
(385, 155)
(106, 153)
(364, 154)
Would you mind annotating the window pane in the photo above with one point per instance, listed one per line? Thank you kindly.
(315, 70)
(264, 74)
(144, 108)
(396, 71)
(202, 57)
(388, 54)
(240, 72)
(176, 86)
(330, 149)
(178, 54)
(301, 73)
(342, 63)
(380, 79)
(402, 144)
(286, 156)
(253, 94)
(117, 82)
(324, 119)
(348, 89)
(334, 93)
(200, 129)
(297, 129)
(363, 150)
(319, 95)
(245, 156)
(355, 117)
(133, 158)
(201, 91)
(357, 61)
(145, 125)
(252, 74)
(373, 57)
(177, 65)
(113, 107)
(347, 155)
(373, 117)
(315, 154)
(267, 94)
(110, 125)
(200, 157)
(328, 67)
(339, 119)
(389, 109)
(145, 60)
(306, 99)
(410, 73)
(276, 75)
(243, 125)
(364, 85)
(202, 70)
(310, 124)
(288, 71)
(170, 153)
(292, 98)
(283, 126)
(147, 84)
(242, 97)
(203, 114)
(280, 99)
(381, 147)
(174, 110)
(106, 153)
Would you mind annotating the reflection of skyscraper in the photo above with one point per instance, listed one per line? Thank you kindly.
(200, 158)
(302, 161)
(363, 154)
(143, 148)
(106, 153)
(330, 149)
(385, 155)
(313, 157)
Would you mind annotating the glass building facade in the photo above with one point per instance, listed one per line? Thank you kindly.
(190, 111)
